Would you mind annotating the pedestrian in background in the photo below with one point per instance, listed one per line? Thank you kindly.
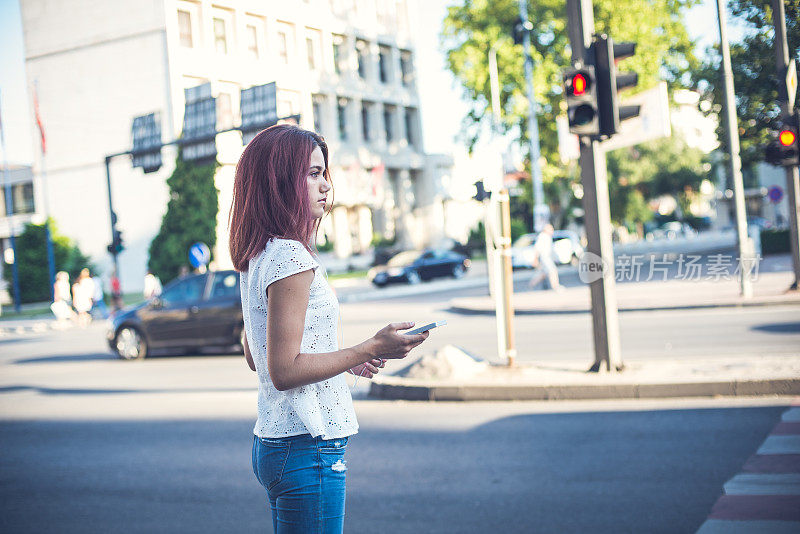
(62, 299)
(82, 295)
(543, 260)
(152, 285)
(305, 411)
(116, 291)
(99, 307)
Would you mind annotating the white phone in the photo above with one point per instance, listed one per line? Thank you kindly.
(421, 329)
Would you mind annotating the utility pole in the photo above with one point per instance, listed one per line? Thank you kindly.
(498, 227)
(746, 249)
(787, 105)
(605, 317)
(541, 211)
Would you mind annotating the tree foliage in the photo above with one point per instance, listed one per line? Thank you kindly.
(32, 268)
(643, 172)
(755, 77)
(471, 28)
(191, 217)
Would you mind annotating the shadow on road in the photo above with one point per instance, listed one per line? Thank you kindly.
(778, 328)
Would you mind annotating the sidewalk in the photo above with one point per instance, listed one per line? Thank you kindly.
(765, 496)
(453, 374)
(768, 289)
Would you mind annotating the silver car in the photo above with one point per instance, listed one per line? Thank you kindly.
(566, 249)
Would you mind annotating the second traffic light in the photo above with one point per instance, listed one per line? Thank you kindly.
(784, 150)
(116, 245)
(580, 89)
(610, 82)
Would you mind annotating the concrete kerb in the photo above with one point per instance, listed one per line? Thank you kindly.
(488, 392)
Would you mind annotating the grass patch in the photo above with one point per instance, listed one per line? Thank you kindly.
(344, 276)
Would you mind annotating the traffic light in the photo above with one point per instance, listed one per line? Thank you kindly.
(116, 245)
(581, 94)
(610, 82)
(784, 150)
(519, 29)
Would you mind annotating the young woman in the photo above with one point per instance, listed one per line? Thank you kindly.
(305, 411)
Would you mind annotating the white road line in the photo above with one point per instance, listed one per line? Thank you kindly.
(780, 445)
(792, 415)
(719, 526)
(763, 484)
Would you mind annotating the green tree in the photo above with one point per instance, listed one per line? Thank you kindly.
(472, 27)
(191, 217)
(32, 267)
(640, 173)
(755, 78)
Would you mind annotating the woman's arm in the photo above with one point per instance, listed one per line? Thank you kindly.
(286, 313)
(247, 355)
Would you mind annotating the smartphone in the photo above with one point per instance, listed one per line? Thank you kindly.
(421, 329)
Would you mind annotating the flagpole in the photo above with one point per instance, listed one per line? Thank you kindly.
(51, 264)
(9, 214)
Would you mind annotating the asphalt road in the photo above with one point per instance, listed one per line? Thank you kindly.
(95, 444)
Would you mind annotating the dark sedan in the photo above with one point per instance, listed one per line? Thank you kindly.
(413, 266)
(194, 311)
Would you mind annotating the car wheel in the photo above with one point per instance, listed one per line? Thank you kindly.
(130, 344)
(413, 277)
(458, 271)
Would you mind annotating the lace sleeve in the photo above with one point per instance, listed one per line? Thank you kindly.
(289, 257)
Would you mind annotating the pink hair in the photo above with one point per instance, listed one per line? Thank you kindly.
(270, 192)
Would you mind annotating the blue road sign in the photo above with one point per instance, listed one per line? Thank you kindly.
(199, 254)
(775, 193)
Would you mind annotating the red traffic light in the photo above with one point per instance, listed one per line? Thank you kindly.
(787, 137)
(579, 85)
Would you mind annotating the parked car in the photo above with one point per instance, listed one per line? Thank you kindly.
(413, 266)
(567, 248)
(193, 311)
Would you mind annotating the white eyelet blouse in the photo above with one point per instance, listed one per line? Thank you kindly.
(320, 409)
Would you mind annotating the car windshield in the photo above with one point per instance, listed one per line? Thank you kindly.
(404, 258)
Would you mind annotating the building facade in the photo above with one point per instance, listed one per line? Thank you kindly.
(345, 66)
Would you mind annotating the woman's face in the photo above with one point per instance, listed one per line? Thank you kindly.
(318, 185)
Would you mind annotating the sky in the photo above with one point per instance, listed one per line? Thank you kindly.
(438, 90)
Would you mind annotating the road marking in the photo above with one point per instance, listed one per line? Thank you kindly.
(719, 526)
(792, 415)
(763, 484)
(780, 445)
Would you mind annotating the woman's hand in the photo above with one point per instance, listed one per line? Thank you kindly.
(388, 344)
(368, 369)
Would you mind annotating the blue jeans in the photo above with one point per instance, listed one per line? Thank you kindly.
(305, 480)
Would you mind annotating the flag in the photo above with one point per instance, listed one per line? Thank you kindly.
(38, 119)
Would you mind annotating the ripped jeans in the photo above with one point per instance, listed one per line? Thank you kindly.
(305, 479)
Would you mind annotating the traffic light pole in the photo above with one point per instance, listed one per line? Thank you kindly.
(792, 179)
(605, 317)
(541, 211)
(112, 213)
(746, 251)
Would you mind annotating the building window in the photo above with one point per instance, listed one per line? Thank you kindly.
(341, 112)
(252, 41)
(185, 28)
(410, 116)
(21, 199)
(363, 57)
(313, 48)
(388, 123)
(338, 53)
(317, 105)
(365, 126)
(407, 67)
(384, 56)
(285, 42)
(220, 37)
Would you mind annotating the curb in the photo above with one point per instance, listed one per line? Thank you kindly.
(465, 310)
(32, 328)
(486, 392)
